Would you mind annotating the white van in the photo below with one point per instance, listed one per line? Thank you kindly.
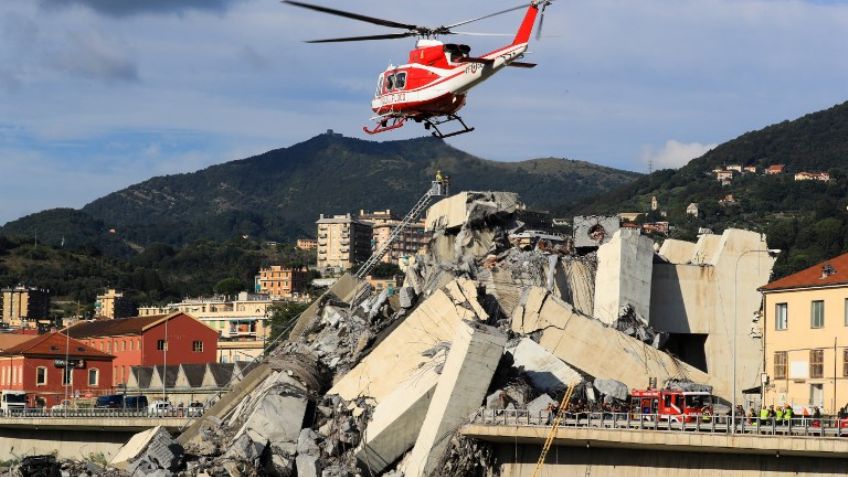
(159, 408)
(14, 401)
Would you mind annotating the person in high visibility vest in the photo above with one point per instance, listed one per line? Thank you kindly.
(788, 413)
(764, 415)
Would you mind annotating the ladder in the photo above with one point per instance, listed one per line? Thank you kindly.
(436, 189)
(563, 405)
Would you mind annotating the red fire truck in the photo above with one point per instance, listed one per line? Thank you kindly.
(672, 405)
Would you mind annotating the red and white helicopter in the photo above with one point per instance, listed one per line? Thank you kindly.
(433, 86)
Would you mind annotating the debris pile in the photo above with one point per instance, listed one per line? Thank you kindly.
(493, 315)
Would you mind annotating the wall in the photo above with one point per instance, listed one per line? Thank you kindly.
(53, 391)
(70, 444)
(799, 338)
(126, 350)
(717, 286)
(182, 332)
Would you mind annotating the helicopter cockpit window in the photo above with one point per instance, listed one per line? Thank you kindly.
(379, 86)
(400, 80)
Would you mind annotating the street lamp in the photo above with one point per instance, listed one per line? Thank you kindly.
(772, 252)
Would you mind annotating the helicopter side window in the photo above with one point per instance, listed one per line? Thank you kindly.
(379, 86)
(390, 82)
(400, 81)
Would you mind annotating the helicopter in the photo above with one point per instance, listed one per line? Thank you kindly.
(433, 86)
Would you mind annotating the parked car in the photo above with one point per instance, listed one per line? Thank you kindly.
(110, 401)
(159, 408)
(136, 403)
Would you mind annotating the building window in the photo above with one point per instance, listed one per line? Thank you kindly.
(197, 346)
(817, 314)
(845, 362)
(817, 394)
(40, 376)
(93, 376)
(781, 316)
(817, 363)
(160, 345)
(67, 375)
(780, 365)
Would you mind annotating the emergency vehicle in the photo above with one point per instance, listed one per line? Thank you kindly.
(672, 405)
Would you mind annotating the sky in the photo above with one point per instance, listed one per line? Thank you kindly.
(96, 95)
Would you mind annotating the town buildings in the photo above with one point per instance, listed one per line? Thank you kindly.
(113, 304)
(242, 324)
(176, 338)
(805, 334)
(692, 209)
(24, 307)
(52, 367)
(343, 242)
(407, 244)
(307, 244)
(282, 283)
(775, 169)
(812, 176)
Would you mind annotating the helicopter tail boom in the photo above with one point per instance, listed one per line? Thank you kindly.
(526, 28)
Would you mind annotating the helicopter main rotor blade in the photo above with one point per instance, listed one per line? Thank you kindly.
(474, 33)
(388, 36)
(454, 25)
(353, 16)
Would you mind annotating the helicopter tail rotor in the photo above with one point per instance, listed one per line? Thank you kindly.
(545, 4)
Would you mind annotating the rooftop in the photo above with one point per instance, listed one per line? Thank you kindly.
(53, 344)
(117, 327)
(828, 273)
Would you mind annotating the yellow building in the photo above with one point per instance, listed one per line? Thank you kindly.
(282, 282)
(383, 222)
(24, 306)
(113, 304)
(343, 242)
(805, 337)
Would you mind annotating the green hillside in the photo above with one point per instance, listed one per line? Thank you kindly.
(279, 195)
(808, 219)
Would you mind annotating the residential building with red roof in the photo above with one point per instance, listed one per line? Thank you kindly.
(52, 366)
(176, 338)
(805, 337)
(775, 169)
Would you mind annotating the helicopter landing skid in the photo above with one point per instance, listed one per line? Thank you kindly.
(383, 125)
(434, 124)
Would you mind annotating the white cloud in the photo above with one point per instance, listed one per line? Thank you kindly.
(673, 154)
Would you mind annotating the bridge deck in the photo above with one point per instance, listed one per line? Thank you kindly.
(668, 440)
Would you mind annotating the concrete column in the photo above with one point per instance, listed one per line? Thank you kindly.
(624, 275)
(468, 371)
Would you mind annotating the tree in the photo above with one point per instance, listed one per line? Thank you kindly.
(229, 286)
(282, 317)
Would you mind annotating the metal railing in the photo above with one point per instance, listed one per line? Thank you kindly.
(795, 427)
(185, 412)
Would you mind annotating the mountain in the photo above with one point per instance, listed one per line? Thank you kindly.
(806, 219)
(278, 195)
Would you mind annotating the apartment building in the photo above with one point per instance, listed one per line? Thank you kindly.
(805, 337)
(343, 242)
(383, 223)
(282, 283)
(113, 304)
(24, 306)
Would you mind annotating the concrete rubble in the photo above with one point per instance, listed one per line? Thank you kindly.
(495, 314)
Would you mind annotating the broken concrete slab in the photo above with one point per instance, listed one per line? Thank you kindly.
(579, 341)
(469, 367)
(407, 297)
(612, 388)
(396, 421)
(678, 252)
(308, 454)
(538, 406)
(248, 446)
(545, 371)
(400, 354)
(454, 211)
(154, 446)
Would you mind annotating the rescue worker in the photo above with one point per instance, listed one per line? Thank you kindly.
(440, 180)
(778, 415)
(764, 415)
(788, 413)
